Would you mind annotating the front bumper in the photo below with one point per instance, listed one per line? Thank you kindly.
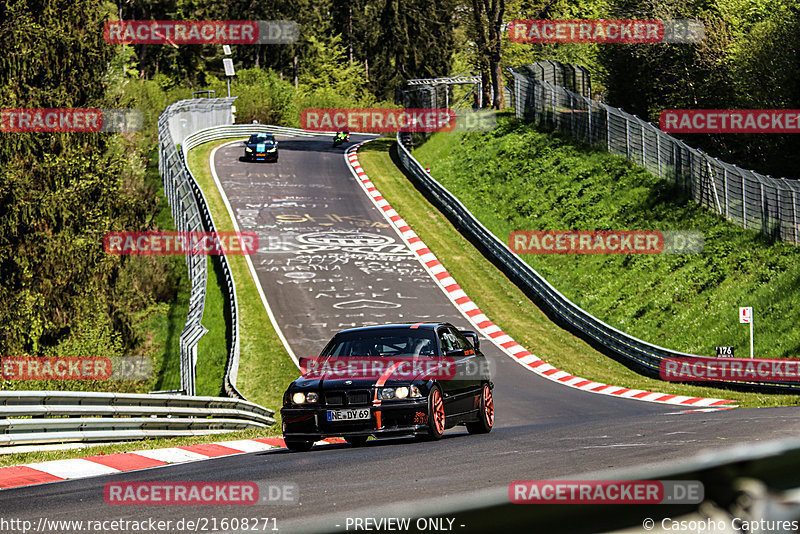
(269, 156)
(391, 418)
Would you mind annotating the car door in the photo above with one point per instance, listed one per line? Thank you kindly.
(460, 389)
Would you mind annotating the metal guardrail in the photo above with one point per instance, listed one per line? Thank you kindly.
(191, 214)
(639, 354)
(242, 130)
(37, 417)
(196, 139)
(752, 200)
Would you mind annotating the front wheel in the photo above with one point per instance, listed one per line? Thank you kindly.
(436, 415)
(299, 445)
(485, 414)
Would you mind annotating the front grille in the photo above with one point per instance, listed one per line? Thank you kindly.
(334, 398)
(359, 397)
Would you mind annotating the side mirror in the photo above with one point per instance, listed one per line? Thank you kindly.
(472, 336)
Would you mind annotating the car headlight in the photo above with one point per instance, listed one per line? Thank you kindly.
(273, 149)
(248, 149)
(415, 392)
(302, 398)
(401, 392)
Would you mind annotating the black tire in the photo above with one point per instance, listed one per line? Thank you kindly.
(436, 414)
(299, 445)
(485, 420)
(356, 441)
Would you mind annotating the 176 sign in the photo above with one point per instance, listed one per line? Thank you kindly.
(725, 352)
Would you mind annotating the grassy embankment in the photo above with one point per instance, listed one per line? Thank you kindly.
(497, 173)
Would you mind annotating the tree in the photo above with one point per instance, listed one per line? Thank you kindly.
(487, 26)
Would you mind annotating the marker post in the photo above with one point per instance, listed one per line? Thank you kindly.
(746, 316)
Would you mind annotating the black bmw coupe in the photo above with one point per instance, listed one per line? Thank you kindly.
(390, 380)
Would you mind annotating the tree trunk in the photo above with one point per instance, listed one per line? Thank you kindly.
(495, 24)
(488, 20)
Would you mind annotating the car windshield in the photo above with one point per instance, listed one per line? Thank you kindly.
(388, 343)
(261, 138)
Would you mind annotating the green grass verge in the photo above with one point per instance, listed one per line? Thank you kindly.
(518, 178)
(265, 368)
(506, 304)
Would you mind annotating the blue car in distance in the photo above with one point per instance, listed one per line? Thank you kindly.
(261, 147)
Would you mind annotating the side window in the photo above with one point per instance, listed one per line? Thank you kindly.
(452, 340)
(463, 343)
(446, 340)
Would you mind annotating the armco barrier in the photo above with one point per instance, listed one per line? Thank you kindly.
(37, 417)
(190, 211)
(639, 354)
(191, 141)
(196, 139)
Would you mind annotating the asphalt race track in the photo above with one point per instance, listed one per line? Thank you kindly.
(328, 260)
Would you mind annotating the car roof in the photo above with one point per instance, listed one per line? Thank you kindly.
(428, 325)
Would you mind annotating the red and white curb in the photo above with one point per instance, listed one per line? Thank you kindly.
(503, 341)
(108, 464)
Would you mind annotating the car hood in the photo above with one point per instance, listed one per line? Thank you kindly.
(257, 145)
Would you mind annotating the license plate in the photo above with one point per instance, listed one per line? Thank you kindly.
(261, 155)
(348, 415)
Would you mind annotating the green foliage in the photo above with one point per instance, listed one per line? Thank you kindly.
(748, 60)
(262, 96)
(60, 293)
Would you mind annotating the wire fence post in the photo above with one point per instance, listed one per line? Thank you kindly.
(627, 139)
(794, 216)
(658, 153)
(644, 148)
(571, 116)
(744, 202)
(725, 185)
